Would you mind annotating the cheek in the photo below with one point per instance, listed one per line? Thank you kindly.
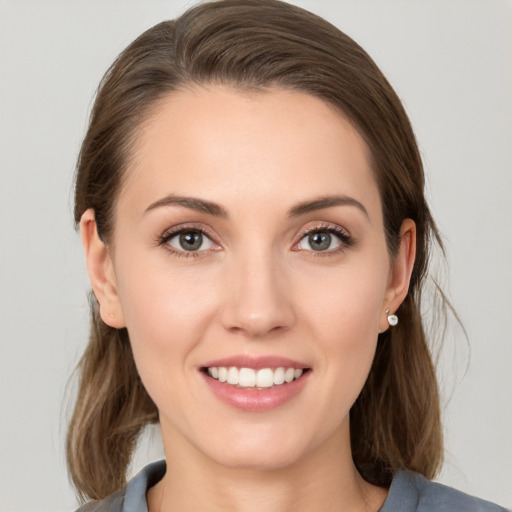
(343, 319)
(349, 300)
(167, 312)
(166, 309)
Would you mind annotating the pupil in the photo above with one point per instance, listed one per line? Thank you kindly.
(320, 241)
(191, 241)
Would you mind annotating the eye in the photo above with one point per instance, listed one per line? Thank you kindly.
(324, 240)
(319, 241)
(188, 240)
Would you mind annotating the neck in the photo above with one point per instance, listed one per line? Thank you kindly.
(324, 479)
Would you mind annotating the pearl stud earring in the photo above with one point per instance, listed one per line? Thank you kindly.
(392, 319)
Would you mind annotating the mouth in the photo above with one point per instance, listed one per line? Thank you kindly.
(252, 378)
(256, 384)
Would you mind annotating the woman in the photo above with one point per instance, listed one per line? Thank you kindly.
(250, 197)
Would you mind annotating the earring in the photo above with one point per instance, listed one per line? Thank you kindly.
(392, 319)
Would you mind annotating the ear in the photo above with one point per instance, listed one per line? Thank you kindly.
(101, 272)
(400, 272)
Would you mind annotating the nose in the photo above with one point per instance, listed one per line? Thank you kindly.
(259, 303)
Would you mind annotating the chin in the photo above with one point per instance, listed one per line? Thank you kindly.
(257, 459)
(258, 452)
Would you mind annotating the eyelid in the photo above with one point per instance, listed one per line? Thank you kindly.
(346, 239)
(192, 226)
(170, 233)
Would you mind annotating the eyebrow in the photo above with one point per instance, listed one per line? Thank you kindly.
(216, 210)
(193, 203)
(326, 202)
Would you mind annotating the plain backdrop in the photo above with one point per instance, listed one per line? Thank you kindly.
(450, 62)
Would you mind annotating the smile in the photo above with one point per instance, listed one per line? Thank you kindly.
(262, 378)
(256, 384)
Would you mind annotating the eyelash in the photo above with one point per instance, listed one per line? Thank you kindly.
(346, 240)
(171, 233)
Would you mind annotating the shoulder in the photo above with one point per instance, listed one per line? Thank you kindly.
(131, 498)
(113, 503)
(411, 492)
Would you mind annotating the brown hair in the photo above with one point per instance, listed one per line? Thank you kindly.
(257, 44)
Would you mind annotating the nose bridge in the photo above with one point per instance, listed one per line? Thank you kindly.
(258, 302)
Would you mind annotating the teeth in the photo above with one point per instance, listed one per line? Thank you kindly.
(223, 373)
(233, 376)
(246, 377)
(265, 378)
(250, 378)
(289, 374)
(279, 376)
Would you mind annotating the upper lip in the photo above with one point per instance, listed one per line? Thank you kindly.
(256, 362)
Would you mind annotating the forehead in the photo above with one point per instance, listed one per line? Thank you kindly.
(219, 142)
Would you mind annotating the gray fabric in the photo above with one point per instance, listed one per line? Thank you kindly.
(114, 503)
(131, 498)
(409, 492)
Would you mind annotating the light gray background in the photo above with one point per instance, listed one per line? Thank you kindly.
(450, 62)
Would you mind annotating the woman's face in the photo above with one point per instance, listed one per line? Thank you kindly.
(248, 245)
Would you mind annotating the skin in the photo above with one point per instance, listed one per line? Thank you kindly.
(258, 288)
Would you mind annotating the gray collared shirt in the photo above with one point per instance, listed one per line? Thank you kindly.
(409, 492)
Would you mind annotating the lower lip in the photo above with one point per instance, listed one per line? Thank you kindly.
(253, 399)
